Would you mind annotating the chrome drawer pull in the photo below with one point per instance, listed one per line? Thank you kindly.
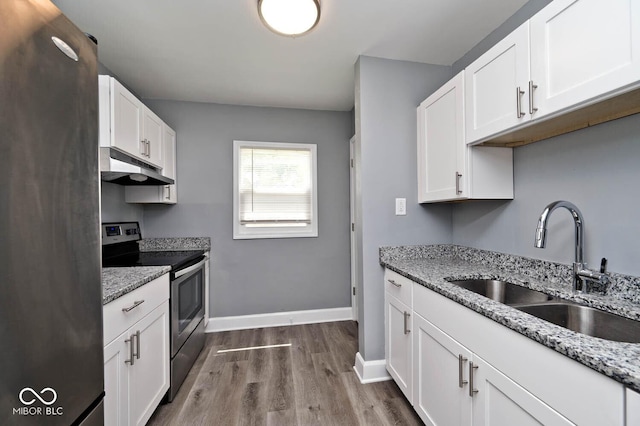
(395, 283)
(532, 86)
(472, 391)
(406, 321)
(137, 343)
(132, 355)
(135, 305)
(461, 361)
(519, 94)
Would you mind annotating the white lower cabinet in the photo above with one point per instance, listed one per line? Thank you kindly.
(453, 386)
(469, 370)
(440, 389)
(398, 348)
(633, 407)
(499, 401)
(136, 362)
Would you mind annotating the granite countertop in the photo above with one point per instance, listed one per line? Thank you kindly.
(432, 266)
(175, 244)
(117, 282)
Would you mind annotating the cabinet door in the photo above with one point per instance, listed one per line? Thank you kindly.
(152, 129)
(116, 382)
(632, 404)
(169, 147)
(442, 151)
(207, 277)
(496, 87)
(150, 372)
(398, 343)
(501, 402)
(582, 49)
(126, 121)
(441, 388)
(170, 193)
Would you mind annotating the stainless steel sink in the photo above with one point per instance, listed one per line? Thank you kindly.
(586, 320)
(503, 292)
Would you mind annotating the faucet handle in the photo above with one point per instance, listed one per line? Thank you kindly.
(603, 265)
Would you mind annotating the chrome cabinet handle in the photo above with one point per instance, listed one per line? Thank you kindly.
(472, 391)
(395, 283)
(461, 361)
(519, 94)
(137, 343)
(531, 88)
(135, 305)
(168, 187)
(149, 148)
(406, 322)
(132, 356)
(458, 190)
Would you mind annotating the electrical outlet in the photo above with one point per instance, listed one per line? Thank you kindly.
(401, 206)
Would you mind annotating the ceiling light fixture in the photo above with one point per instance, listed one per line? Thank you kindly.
(289, 17)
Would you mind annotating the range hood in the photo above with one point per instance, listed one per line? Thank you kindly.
(120, 168)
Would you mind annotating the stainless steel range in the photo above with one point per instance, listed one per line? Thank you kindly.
(120, 249)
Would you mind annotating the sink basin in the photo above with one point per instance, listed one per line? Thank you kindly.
(586, 320)
(503, 292)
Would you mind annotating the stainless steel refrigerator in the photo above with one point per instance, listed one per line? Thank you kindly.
(51, 350)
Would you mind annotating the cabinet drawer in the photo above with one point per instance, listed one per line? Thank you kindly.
(115, 315)
(398, 286)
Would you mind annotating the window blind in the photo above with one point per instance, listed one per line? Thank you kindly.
(275, 187)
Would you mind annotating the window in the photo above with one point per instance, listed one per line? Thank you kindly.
(274, 190)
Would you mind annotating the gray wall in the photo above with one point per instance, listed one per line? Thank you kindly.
(269, 275)
(387, 94)
(113, 207)
(596, 169)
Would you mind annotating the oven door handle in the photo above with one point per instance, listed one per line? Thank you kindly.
(190, 269)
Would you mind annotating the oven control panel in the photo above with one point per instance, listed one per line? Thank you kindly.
(120, 232)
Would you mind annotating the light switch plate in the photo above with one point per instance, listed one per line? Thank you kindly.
(401, 206)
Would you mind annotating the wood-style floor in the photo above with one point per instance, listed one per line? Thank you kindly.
(308, 382)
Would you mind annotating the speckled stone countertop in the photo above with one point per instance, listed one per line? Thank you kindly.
(117, 282)
(175, 244)
(432, 266)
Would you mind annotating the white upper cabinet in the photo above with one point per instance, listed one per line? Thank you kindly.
(448, 169)
(497, 87)
(127, 124)
(583, 49)
(125, 118)
(166, 194)
(570, 55)
(441, 146)
(152, 131)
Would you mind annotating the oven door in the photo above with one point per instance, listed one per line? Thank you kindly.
(187, 303)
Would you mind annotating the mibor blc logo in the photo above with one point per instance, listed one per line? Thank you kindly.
(33, 400)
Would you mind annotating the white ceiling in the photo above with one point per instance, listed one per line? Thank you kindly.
(218, 50)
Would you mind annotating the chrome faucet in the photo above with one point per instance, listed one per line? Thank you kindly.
(580, 271)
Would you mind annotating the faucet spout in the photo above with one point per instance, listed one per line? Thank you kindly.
(541, 230)
(541, 237)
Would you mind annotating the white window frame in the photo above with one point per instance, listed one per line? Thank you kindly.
(242, 232)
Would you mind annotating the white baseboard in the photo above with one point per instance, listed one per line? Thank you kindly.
(245, 322)
(371, 371)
